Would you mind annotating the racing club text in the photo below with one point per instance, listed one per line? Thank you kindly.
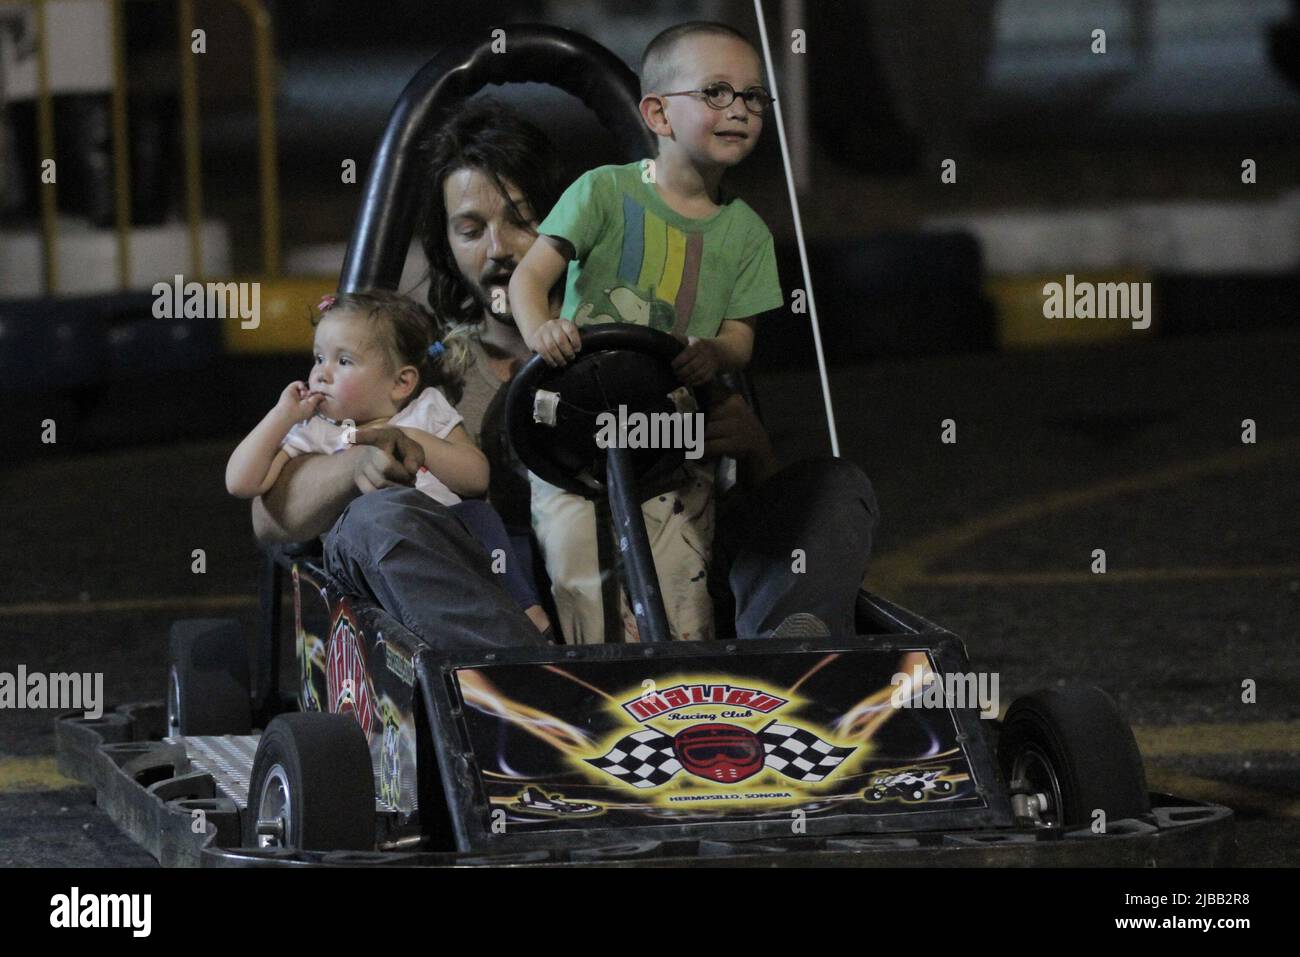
(656, 703)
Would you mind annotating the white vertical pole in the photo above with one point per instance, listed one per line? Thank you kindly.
(798, 232)
(796, 95)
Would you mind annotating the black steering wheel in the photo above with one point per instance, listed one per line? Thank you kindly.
(554, 415)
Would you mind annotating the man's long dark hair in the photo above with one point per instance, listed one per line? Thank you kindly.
(490, 137)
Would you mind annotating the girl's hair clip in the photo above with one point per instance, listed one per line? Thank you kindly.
(436, 350)
(326, 303)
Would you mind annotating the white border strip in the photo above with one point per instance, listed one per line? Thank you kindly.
(798, 232)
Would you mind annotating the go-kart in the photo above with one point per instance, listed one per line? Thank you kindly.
(780, 750)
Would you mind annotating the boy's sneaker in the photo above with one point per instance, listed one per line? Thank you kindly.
(802, 625)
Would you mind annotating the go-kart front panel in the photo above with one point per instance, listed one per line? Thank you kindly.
(614, 744)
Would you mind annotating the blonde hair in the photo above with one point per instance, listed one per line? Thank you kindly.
(458, 356)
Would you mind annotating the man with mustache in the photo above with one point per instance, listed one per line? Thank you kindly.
(493, 178)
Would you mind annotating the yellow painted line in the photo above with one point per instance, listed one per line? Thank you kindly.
(1236, 796)
(908, 565)
(210, 603)
(1111, 576)
(1203, 739)
(32, 774)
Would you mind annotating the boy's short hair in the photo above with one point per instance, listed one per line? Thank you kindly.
(658, 68)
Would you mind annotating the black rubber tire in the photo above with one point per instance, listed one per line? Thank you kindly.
(209, 659)
(330, 779)
(1090, 746)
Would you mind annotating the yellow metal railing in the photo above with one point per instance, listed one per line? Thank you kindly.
(190, 134)
(121, 148)
(45, 140)
(264, 91)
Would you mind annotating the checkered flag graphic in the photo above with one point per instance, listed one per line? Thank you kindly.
(643, 759)
(800, 754)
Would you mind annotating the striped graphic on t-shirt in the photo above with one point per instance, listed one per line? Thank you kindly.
(660, 257)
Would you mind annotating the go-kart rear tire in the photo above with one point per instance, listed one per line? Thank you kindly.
(312, 774)
(1081, 734)
(208, 687)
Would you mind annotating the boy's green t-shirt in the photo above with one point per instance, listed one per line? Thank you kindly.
(636, 260)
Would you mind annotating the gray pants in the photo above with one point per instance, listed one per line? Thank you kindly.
(799, 542)
(412, 556)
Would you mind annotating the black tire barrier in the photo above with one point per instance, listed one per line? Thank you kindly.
(83, 136)
(1192, 304)
(86, 342)
(896, 294)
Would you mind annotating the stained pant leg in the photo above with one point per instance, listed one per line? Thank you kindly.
(817, 515)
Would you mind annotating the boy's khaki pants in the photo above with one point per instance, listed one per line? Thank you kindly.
(679, 524)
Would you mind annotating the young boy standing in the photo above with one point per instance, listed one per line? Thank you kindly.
(657, 243)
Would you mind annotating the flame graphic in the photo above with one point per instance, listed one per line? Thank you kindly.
(480, 693)
(862, 720)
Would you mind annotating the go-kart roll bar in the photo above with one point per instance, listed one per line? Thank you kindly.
(532, 53)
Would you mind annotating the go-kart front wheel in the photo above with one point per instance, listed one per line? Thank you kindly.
(1068, 753)
(312, 785)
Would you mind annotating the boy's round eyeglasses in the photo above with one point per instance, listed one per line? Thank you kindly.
(721, 95)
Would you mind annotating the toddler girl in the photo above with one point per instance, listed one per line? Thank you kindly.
(376, 368)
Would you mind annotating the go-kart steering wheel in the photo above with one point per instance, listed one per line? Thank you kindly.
(553, 413)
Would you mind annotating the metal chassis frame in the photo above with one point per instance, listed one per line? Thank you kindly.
(148, 790)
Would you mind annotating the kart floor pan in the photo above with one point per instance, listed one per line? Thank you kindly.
(228, 759)
(156, 790)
